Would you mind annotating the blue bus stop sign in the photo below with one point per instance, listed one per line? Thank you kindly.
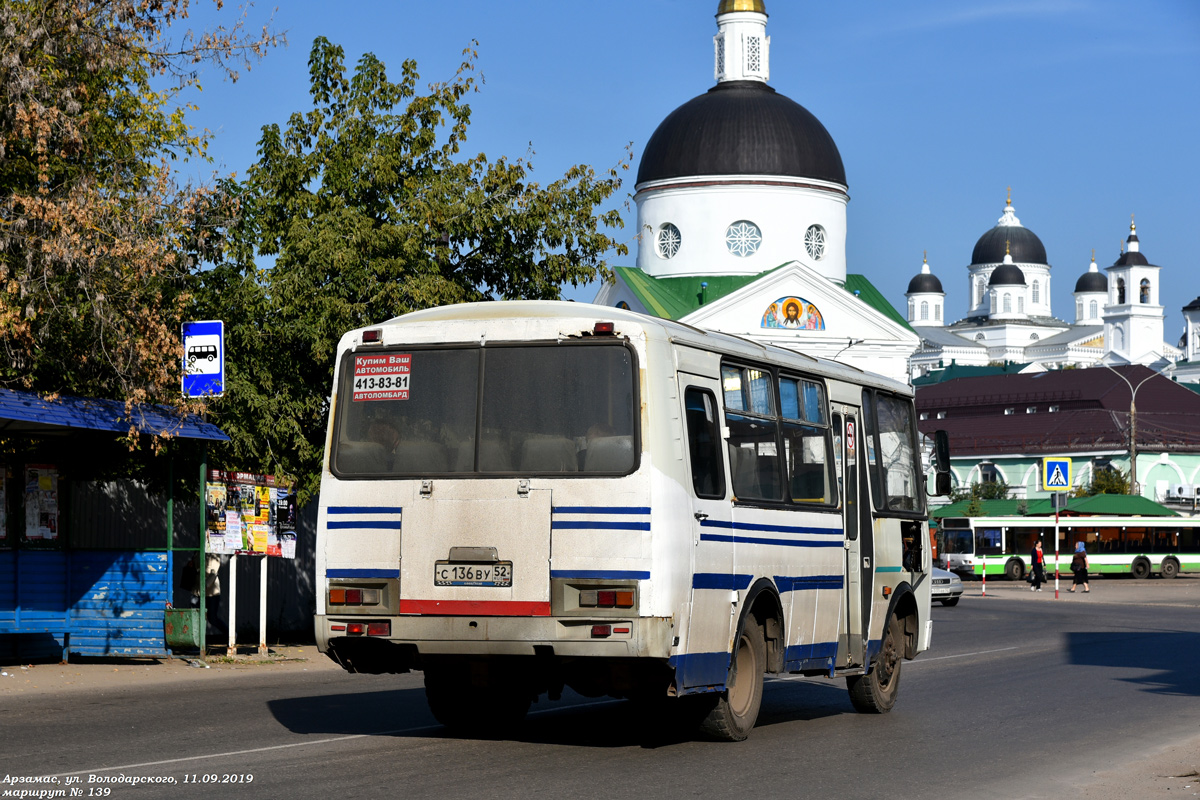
(204, 358)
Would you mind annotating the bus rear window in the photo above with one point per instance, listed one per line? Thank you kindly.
(507, 410)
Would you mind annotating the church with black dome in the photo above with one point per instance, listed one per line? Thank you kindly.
(1118, 317)
(741, 201)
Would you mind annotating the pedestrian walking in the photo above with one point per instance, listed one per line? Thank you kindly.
(1079, 566)
(1038, 560)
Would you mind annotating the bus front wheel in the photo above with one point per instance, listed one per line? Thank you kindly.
(736, 710)
(1015, 569)
(1169, 568)
(875, 692)
(1140, 568)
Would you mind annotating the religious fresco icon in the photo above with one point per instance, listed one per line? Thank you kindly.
(793, 313)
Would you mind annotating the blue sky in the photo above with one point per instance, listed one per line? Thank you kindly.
(1089, 109)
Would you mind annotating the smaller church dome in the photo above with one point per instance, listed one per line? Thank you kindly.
(1131, 259)
(1193, 306)
(1091, 281)
(1007, 275)
(925, 282)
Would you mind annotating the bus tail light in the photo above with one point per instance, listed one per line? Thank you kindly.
(356, 628)
(379, 629)
(606, 598)
(353, 597)
(372, 336)
(601, 631)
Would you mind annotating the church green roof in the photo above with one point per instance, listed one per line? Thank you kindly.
(676, 297)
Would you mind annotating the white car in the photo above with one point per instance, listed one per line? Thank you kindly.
(947, 587)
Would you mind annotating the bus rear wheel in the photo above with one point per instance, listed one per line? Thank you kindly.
(736, 710)
(1169, 568)
(876, 692)
(1140, 568)
(1015, 569)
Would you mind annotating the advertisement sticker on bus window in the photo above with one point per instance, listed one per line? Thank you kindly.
(382, 377)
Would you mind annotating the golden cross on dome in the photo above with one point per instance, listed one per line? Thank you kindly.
(1132, 227)
(1008, 202)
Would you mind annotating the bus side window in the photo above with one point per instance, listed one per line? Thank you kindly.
(704, 443)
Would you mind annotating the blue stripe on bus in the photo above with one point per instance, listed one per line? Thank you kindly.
(799, 584)
(712, 537)
(718, 580)
(816, 655)
(583, 524)
(382, 524)
(751, 526)
(364, 509)
(362, 573)
(601, 509)
(601, 574)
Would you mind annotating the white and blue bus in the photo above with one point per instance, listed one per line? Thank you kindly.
(523, 496)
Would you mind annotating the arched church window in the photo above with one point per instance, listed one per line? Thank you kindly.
(1120, 291)
(992, 303)
(814, 242)
(1078, 309)
(1007, 303)
(1144, 291)
(743, 238)
(979, 291)
(979, 337)
(720, 68)
(1021, 305)
(1118, 339)
(667, 241)
(1092, 310)
(937, 312)
(1037, 293)
(912, 308)
(924, 309)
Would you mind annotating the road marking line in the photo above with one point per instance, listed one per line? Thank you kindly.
(964, 655)
(307, 744)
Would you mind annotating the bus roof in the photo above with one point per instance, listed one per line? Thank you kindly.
(676, 332)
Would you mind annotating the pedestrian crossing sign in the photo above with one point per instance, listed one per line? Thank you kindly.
(1056, 474)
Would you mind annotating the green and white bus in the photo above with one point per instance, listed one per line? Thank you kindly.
(1137, 546)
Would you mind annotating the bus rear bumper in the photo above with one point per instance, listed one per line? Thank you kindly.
(410, 638)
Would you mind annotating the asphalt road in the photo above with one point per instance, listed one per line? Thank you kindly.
(1021, 696)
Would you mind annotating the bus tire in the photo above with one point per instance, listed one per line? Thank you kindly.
(1169, 568)
(875, 692)
(480, 711)
(1140, 568)
(736, 710)
(1015, 569)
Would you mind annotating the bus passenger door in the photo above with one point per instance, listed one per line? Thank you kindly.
(860, 568)
(704, 657)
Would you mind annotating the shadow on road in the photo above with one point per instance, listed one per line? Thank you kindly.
(574, 721)
(1172, 655)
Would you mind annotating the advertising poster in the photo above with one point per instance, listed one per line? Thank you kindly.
(247, 513)
(215, 516)
(41, 502)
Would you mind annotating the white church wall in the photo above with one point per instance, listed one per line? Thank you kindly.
(703, 214)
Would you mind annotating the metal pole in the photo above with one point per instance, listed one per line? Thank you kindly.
(202, 550)
(1056, 550)
(231, 650)
(262, 606)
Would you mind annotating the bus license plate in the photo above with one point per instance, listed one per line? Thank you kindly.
(491, 573)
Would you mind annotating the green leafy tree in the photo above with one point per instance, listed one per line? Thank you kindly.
(1108, 481)
(997, 490)
(98, 245)
(369, 211)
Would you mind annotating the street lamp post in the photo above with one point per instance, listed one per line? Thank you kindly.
(1133, 390)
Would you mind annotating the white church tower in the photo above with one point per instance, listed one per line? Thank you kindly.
(1091, 295)
(1133, 318)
